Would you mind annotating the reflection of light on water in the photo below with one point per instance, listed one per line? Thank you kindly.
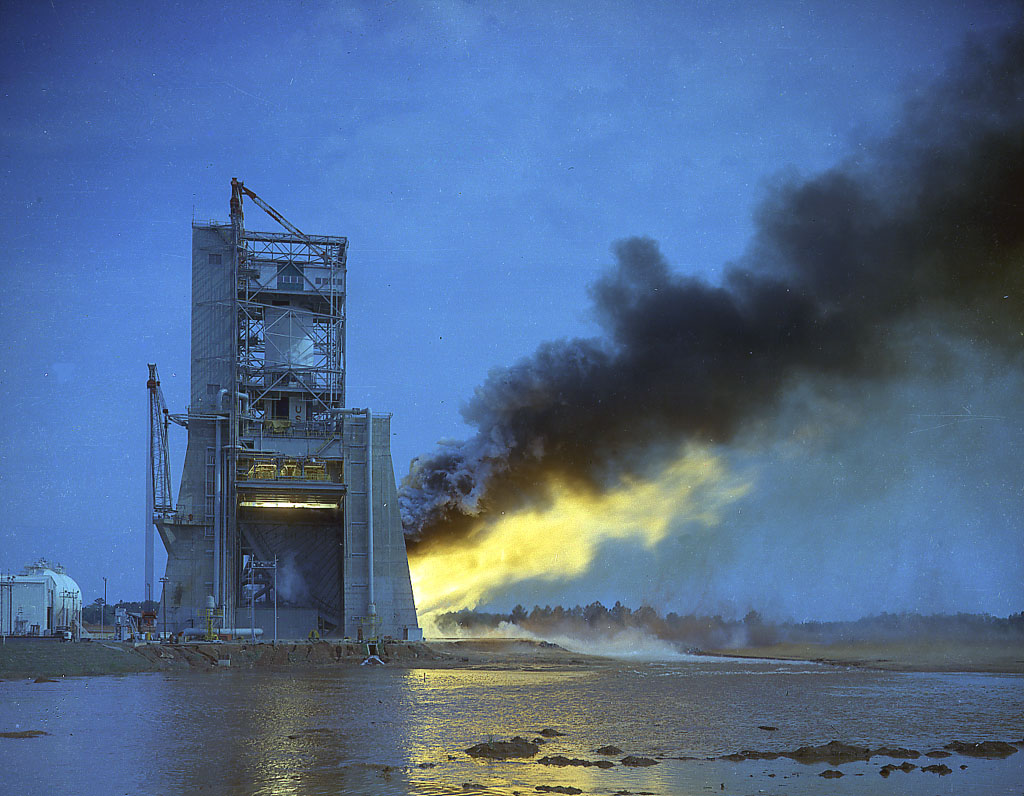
(283, 748)
(459, 708)
(296, 734)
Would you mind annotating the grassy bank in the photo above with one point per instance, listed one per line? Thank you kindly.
(45, 658)
(909, 656)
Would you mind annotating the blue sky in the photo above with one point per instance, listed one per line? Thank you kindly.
(480, 157)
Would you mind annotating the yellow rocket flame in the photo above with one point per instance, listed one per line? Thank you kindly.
(561, 539)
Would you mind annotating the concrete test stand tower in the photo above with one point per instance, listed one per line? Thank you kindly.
(276, 468)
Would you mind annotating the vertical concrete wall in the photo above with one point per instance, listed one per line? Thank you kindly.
(396, 608)
(396, 605)
(355, 573)
(213, 350)
(189, 540)
(189, 571)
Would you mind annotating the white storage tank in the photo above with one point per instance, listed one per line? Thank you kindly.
(41, 601)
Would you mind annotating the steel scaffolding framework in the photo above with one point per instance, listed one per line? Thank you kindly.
(272, 264)
(290, 286)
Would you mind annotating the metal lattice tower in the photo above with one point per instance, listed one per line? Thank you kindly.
(159, 497)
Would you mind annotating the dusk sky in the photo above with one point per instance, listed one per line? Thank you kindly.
(481, 158)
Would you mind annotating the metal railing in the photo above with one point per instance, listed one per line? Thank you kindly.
(284, 427)
(285, 469)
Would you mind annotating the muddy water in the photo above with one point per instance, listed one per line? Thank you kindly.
(367, 730)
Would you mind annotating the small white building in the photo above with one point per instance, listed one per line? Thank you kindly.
(43, 600)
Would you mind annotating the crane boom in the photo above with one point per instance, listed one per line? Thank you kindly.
(159, 501)
(159, 464)
(238, 188)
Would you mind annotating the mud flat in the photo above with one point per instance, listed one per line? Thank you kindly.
(1006, 657)
(24, 658)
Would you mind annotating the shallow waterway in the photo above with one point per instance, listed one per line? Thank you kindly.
(398, 731)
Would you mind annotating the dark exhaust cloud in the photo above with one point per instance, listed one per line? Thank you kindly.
(927, 226)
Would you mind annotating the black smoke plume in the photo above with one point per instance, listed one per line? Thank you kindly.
(928, 226)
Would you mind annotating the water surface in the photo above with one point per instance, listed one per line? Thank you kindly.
(369, 730)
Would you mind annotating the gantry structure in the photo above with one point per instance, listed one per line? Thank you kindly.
(277, 468)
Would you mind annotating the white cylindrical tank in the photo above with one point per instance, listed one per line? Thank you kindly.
(43, 599)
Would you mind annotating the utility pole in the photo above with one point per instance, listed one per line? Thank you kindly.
(103, 607)
(6, 584)
(66, 618)
(252, 601)
(163, 593)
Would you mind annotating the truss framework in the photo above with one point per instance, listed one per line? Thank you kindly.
(159, 460)
(270, 266)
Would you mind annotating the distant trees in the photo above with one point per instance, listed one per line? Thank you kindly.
(710, 632)
(91, 614)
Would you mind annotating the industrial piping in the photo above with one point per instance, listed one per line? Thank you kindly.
(219, 545)
(369, 507)
(150, 511)
(217, 510)
(195, 632)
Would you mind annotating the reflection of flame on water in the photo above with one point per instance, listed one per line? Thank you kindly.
(560, 539)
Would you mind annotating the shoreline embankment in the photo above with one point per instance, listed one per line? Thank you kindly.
(45, 658)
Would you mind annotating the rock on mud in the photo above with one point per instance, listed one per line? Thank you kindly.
(905, 767)
(504, 750)
(750, 754)
(899, 752)
(989, 749)
(547, 732)
(755, 755)
(939, 769)
(557, 789)
(23, 734)
(561, 760)
(831, 773)
(608, 750)
(834, 753)
(638, 762)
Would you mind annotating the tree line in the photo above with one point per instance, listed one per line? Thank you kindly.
(692, 631)
(97, 611)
